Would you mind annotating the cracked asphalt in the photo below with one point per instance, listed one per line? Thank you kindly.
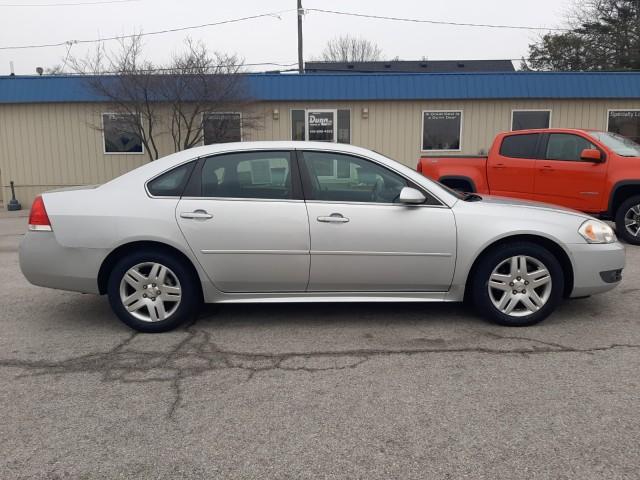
(371, 391)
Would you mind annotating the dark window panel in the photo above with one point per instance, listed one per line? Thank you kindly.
(441, 130)
(520, 146)
(221, 128)
(121, 133)
(625, 123)
(525, 120)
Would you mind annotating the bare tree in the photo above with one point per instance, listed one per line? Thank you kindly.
(199, 82)
(154, 100)
(351, 49)
(130, 85)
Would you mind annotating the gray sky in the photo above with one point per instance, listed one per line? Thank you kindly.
(273, 39)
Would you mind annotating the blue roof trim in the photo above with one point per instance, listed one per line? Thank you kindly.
(384, 86)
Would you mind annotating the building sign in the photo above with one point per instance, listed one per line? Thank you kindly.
(321, 126)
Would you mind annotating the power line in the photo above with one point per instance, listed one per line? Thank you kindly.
(157, 32)
(143, 71)
(69, 4)
(434, 22)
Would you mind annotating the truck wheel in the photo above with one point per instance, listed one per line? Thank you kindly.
(628, 220)
(518, 284)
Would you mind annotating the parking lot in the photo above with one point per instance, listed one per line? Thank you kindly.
(316, 391)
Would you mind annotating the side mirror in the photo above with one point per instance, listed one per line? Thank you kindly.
(591, 155)
(411, 196)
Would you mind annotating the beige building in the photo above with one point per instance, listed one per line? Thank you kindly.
(54, 133)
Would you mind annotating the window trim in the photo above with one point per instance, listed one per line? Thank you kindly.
(513, 110)
(307, 188)
(220, 113)
(459, 149)
(104, 140)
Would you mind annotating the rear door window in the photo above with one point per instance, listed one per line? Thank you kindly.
(520, 146)
(264, 175)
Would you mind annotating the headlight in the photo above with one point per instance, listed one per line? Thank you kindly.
(594, 231)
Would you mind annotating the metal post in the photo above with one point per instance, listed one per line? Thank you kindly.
(300, 59)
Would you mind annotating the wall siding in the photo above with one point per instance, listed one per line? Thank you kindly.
(47, 146)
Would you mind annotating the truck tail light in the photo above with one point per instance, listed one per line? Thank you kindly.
(419, 167)
(38, 218)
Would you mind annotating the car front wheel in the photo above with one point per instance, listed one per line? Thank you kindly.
(628, 220)
(519, 284)
(152, 292)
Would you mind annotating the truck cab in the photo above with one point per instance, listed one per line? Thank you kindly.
(587, 170)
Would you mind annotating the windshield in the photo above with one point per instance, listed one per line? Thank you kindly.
(619, 144)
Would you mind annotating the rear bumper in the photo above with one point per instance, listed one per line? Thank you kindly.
(596, 268)
(46, 263)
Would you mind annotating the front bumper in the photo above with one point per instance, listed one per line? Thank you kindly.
(46, 263)
(595, 267)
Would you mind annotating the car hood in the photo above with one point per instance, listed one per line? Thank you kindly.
(515, 202)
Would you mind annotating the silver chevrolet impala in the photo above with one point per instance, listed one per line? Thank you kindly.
(308, 222)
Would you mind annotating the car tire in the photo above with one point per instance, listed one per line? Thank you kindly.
(153, 291)
(510, 287)
(629, 211)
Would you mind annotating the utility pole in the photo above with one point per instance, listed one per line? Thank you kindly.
(300, 59)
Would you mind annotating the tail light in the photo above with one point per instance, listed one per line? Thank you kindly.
(38, 218)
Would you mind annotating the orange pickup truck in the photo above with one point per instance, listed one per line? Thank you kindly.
(591, 171)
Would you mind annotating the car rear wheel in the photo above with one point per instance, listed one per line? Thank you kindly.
(518, 284)
(152, 292)
(628, 220)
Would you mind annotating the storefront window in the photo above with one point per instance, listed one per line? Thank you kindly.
(527, 119)
(344, 126)
(625, 123)
(441, 130)
(121, 133)
(221, 127)
(324, 125)
(297, 125)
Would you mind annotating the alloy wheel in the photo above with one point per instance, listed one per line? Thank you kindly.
(632, 220)
(150, 292)
(519, 286)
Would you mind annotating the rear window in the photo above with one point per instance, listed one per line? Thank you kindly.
(520, 146)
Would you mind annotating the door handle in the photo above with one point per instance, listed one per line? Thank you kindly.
(197, 215)
(334, 218)
(547, 168)
(499, 165)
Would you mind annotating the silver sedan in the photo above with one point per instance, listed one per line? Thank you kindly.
(308, 222)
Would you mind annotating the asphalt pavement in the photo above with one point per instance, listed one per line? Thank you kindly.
(315, 391)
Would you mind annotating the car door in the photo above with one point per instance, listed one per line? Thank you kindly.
(245, 220)
(564, 179)
(362, 239)
(511, 170)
